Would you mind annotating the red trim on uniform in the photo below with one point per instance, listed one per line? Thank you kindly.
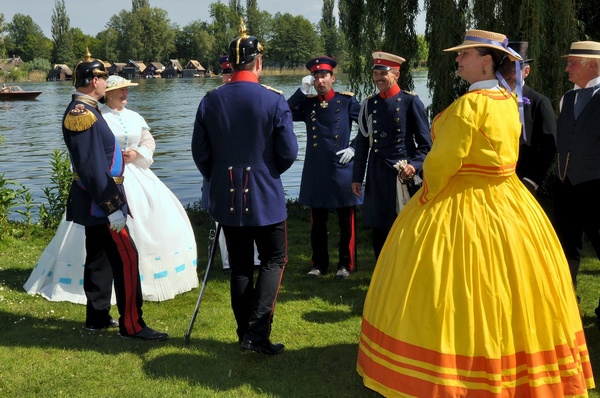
(244, 76)
(232, 189)
(352, 242)
(385, 62)
(321, 67)
(327, 97)
(226, 65)
(285, 261)
(131, 279)
(312, 261)
(392, 91)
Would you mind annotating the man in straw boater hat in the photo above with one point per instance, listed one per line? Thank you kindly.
(577, 186)
(394, 128)
(471, 295)
(327, 172)
(97, 201)
(537, 150)
(243, 141)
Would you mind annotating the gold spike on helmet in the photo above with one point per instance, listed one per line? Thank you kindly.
(87, 69)
(243, 49)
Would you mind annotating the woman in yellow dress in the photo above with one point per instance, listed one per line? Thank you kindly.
(471, 295)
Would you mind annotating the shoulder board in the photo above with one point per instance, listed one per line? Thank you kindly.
(79, 119)
(372, 95)
(409, 92)
(311, 96)
(347, 93)
(272, 89)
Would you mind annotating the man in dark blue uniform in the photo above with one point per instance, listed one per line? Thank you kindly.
(243, 141)
(538, 148)
(97, 201)
(327, 173)
(394, 128)
(577, 186)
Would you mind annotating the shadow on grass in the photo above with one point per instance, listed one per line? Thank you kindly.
(315, 372)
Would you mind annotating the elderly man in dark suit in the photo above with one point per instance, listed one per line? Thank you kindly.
(243, 141)
(538, 144)
(577, 186)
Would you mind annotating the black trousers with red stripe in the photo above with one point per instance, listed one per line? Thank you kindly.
(253, 303)
(112, 256)
(319, 241)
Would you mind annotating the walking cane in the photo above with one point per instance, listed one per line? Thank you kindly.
(211, 256)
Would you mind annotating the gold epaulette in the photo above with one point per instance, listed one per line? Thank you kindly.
(272, 89)
(410, 92)
(311, 95)
(79, 119)
(348, 93)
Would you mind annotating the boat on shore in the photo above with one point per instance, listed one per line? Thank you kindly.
(12, 93)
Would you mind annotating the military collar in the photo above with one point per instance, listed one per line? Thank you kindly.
(327, 97)
(86, 99)
(244, 76)
(392, 91)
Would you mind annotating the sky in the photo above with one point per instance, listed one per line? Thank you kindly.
(92, 16)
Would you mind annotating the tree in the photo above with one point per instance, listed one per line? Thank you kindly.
(329, 29)
(294, 41)
(370, 25)
(225, 27)
(144, 35)
(195, 42)
(28, 40)
(63, 43)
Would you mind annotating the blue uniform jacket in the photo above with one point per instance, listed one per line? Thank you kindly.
(400, 131)
(97, 159)
(326, 183)
(243, 141)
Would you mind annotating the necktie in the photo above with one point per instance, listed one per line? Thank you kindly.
(583, 96)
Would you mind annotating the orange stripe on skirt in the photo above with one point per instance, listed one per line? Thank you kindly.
(409, 369)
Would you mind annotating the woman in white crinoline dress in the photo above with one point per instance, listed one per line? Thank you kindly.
(158, 222)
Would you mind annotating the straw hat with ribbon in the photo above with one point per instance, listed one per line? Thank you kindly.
(584, 49)
(115, 82)
(483, 38)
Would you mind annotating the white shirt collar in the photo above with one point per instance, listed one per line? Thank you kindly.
(594, 82)
(485, 84)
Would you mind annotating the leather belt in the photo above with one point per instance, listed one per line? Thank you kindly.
(118, 180)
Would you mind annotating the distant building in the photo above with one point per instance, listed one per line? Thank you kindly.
(133, 70)
(153, 70)
(173, 69)
(60, 72)
(10, 63)
(116, 68)
(193, 69)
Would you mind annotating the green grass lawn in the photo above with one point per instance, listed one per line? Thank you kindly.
(45, 352)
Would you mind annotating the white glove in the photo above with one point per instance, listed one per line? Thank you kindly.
(307, 83)
(347, 155)
(117, 221)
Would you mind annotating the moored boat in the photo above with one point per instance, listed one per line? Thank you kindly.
(17, 93)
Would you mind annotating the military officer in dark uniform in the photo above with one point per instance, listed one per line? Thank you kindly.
(394, 127)
(97, 201)
(538, 144)
(577, 186)
(243, 141)
(327, 173)
(226, 69)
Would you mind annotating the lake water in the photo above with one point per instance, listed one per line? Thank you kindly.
(32, 130)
